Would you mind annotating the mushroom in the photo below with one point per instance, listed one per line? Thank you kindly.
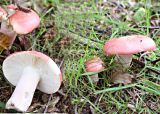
(125, 47)
(28, 70)
(20, 20)
(24, 20)
(94, 65)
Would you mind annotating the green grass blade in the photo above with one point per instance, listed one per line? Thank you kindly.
(115, 88)
(151, 85)
(150, 90)
(2, 105)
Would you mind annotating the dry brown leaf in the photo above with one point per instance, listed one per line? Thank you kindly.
(5, 41)
(123, 78)
(7, 36)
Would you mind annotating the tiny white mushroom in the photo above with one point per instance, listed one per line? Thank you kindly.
(27, 71)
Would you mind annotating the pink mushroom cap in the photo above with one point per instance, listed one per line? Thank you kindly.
(94, 65)
(129, 45)
(24, 22)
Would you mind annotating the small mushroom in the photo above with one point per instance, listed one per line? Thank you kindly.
(125, 47)
(94, 65)
(28, 70)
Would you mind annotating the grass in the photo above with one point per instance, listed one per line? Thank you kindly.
(82, 21)
(89, 28)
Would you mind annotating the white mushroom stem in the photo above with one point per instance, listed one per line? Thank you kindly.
(94, 78)
(24, 91)
(124, 60)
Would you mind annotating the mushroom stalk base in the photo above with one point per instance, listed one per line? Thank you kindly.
(24, 91)
(124, 60)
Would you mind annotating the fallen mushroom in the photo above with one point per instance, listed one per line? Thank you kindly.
(94, 65)
(125, 47)
(28, 70)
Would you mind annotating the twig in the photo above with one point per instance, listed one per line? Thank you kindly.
(61, 92)
(151, 27)
(142, 55)
(60, 65)
(46, 107)
(75, 109)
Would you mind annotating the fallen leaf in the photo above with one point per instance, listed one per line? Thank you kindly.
(123, 78)
(7, 36)
(5, 41)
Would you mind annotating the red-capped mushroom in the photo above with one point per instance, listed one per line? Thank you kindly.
(27, 71)
(94, 65)
(24, 21)
(125, 47)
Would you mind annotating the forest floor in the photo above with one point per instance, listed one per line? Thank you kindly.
(72, 32)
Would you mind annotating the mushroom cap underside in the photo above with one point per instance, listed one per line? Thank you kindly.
(50, 74)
